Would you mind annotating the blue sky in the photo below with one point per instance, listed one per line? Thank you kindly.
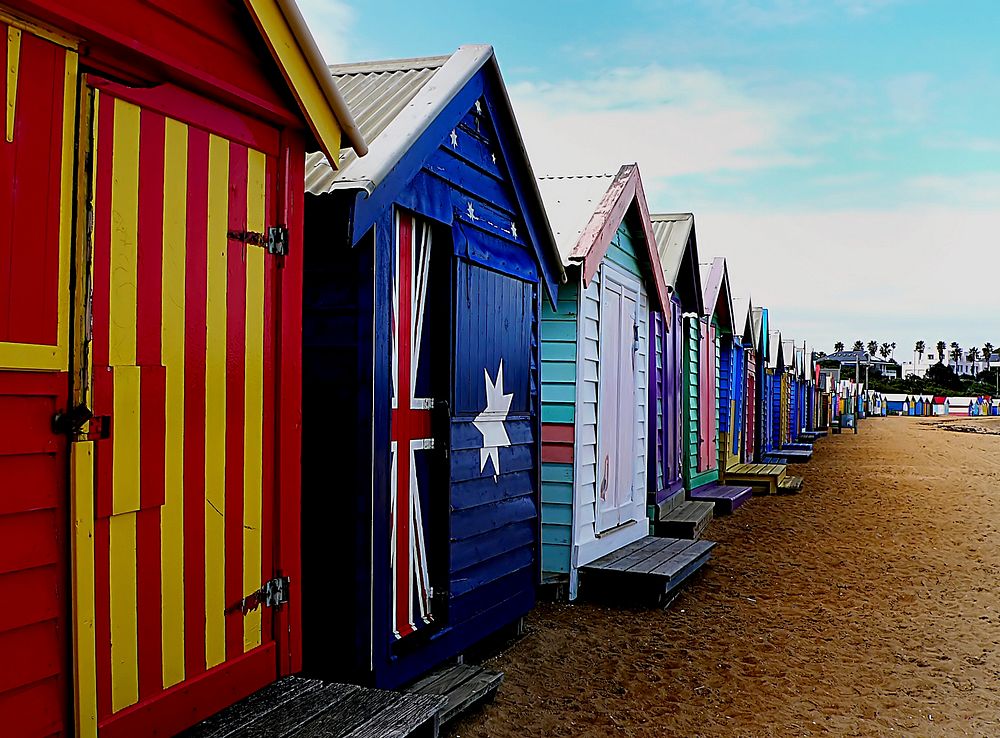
(843, 155)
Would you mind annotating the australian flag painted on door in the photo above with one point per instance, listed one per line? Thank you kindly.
(426, 265)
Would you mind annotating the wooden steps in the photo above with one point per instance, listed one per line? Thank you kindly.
(724, 497)
(789, 456)
(462, 686)
(651, 566)
(810, 436)
(790, 485)
(308, 708)
(800, 446)
(764, 478)
(687, 520)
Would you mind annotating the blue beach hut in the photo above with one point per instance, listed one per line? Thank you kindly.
(427, 262)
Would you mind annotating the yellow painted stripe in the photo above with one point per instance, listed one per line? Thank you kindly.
(253, 430)
(124, 637)
(84, 643)
(172, 356)
(31, 356)
(13, 62)
(125, 438)
(66, 198)
(215, 403)
(124, 230)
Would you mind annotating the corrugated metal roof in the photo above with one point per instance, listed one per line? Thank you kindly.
(392, 102)
(672, 231)
(375, 92)
(570, 202)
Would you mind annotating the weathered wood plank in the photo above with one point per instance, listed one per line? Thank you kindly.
(413, 715)
(295, 714)
(675, 546)
(235, 718)
(622, 552)
(673, 566)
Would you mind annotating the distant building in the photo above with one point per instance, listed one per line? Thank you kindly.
(920, 364)
(889, 369)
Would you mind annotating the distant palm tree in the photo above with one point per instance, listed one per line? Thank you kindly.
(872, 347)
(920, 348)
(838, 346)
(885, 350)
(893, 347)
(987, 353)
(859, 346)
(941, 346)
(972, 356)
(955, 354)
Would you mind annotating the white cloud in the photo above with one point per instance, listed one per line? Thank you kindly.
(672, 121)
(331, 23)
(892, 275)
(975, 190)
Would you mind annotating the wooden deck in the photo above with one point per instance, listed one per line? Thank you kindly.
(687, 520)
(725, 498)
(764, 478)
(309, 708)
(651, 566)
(462, 686)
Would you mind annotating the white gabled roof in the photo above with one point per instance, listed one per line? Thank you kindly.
(570, 203)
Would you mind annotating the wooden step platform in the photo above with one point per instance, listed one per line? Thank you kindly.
(308, 708)
(800, 446)
(462, 686)
(788, 456)
(725, 497)
(764, 478)
(809, 436)
(651, 566)
(790, 485)
(687, 520)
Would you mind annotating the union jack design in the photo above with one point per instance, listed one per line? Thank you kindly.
(410, 427)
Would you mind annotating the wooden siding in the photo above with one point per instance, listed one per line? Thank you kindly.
(559, 387)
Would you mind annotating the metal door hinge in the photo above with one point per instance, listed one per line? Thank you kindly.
(273, 593)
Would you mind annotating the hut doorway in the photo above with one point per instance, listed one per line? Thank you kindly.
(619, 332)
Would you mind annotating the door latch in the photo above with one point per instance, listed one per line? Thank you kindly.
(273, 593)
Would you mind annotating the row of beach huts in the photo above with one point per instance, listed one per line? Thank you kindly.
(930, 405)
(306, 371)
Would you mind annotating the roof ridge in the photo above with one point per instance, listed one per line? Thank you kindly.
(389, 65)
(606, 175)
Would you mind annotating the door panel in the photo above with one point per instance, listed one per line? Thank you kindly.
(183, 362)
(608, 405)
(37, 157)
(626, 351)
(419, 334)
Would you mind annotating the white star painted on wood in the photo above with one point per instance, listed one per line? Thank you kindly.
(471, 211)
(513, 229)
(454, 139)
(494, 158)
(490, 422)
(479, 108)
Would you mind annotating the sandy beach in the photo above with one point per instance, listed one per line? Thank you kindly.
(867, 605)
